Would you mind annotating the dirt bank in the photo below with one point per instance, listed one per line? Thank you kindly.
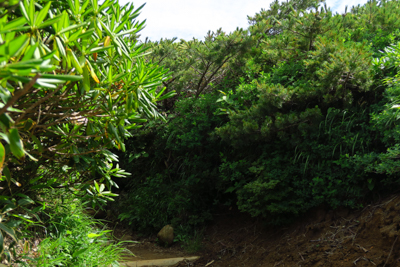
(321, 238)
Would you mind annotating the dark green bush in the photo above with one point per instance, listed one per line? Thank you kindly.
(177, 164)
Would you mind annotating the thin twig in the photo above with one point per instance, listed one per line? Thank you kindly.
(390, 253)
(39, 102)
(19, 93)
(301, 256)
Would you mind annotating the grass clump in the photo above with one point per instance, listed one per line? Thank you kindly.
(75, 239)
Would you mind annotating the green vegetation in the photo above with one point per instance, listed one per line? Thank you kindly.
(74, 239)
(300, 116)
(73, 84)
(300, 110)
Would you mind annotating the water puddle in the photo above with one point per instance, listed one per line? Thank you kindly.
(158, 262)
(150, 254)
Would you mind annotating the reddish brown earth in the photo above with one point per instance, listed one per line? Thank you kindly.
(321, 238)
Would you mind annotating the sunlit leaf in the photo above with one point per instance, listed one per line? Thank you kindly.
(107, 41)
(74, 61)
(16, 145)
(42, 14)
(2, 157)
(18, 44)
(8, 230)
(49, 22)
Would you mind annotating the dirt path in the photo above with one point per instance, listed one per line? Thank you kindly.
(321, 238)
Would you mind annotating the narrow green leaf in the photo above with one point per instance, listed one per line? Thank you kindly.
(93, 235)
(7, 174)
(100, 49)
(71, 5)
(167, 95)
(9, 207)
(2, 157)
(95, 5)
(23, 217)
(6, 120)
(109, 75)
(31, 11)
(49, 22)
(75, 36)
(30, 52)
(86, 78)
(72, 27)
(16, 23)
(9, 231)
(74, 61)
(138, 120)
(18, 45)
(87, 34)
(106, 4)
(102, 187)
(31, 157)
(126, 32)
(109, 32)
(16, 145)
(128, 103)
(77, 7)
(161, 92)
(25, 201)
(98, 28)
(72, 78)
(61, 47)
(22, 5)
(79, 252)
(113, 130)
(97, 186)
(85, 4)
(42, 14)
(1, 243)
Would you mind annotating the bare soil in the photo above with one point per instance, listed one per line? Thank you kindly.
(368, 237)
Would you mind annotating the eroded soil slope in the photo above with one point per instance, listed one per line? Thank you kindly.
(334, 238)
(368, 237)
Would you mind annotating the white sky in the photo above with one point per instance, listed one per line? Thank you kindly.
(186, 19)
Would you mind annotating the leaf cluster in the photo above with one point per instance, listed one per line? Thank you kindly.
(73, 84)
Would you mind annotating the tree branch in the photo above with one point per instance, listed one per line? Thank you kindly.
(19, 93)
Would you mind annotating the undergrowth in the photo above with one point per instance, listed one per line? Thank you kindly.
(71, 238)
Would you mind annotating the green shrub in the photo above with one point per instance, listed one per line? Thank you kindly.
(173, 168)
(75, 239)
(73, 82)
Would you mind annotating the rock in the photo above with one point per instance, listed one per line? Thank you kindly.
(166, 235)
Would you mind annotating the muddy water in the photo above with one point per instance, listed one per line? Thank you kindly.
(150, 254)
(160, 262)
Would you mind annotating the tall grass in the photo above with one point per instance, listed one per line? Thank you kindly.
(75, 239)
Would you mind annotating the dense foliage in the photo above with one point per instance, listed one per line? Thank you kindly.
(298, 111)
(178, 183)
(73, 83)
(302, 117)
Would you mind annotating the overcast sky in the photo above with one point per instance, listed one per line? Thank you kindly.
(186, 19)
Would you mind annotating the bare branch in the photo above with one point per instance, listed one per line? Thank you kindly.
(19, 94)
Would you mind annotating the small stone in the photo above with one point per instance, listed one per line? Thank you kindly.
(166, 235)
